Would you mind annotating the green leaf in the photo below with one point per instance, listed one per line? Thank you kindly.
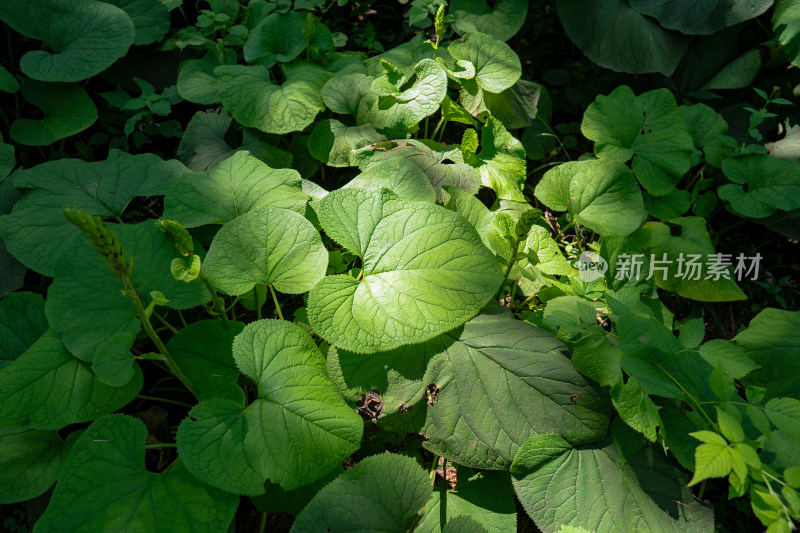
(692, 333)
(711, 460)
(784, 413)
(22, 321)
(425, 271)
(786, 25)
(36, 231)
(497, 67)
(381, 493)
(197, 83)
(643, 47)
(67, 110)
(203, 352)
(671, 205)
(559, 485)
(343, 93)
(400, 176)
(256, 102)
(522, 377)
(771, 341)
(501, 161)
(8, 83)
(444, 166)
(486, 498)
(737, 74)
(599, 194)
(729, 357)
(85, 304)
(404, 57)
(463, 524)
(272, 246)
(238, 185)
(332, 142)
(150, 18)
(636, 408)
(113, 362)
(700, 18)
(501, 21)
(405, 109)
(105, 486)
(764, 184)
(30, 462)
(516, 107)
(48, 388)
(648, 128)
(656, 239)
(277, 38)
(203, 144)
(543, 254)
(297, 430)
(86, 37)
(706, 127)
(277, 500)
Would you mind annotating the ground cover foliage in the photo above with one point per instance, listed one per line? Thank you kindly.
(415, 266)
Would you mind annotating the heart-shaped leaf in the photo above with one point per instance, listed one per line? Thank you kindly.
(564, 486)
(400, 176)
(700, 18)
(381, 493)
(67, 110)
(238, 185)
(501, 21)
(85, 303)
(344, 92)
(644, 46)
(599, 194)
(197, 83)
(86, 36)
(202, 350)
(30, 462)
(22, 321)
(255, 101)
(105, 486)
(280, 37)
(425, 272)
(520, 374)
(36, 231)
(764, 184)
(297, 430)
(648, 128)
(497, 67)
(331, 142)
(49, 388)
(269, 245)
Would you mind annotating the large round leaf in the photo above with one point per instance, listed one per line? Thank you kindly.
(400, 176)
(105, 486)
(86, 36)
(761, 185)
(601, 195)
(700, 18)
(36, 231)
(272, 246)
(594, 488)
(48, 388)
(381, 493)
(786, 24)
(257, 102)
(637, 45)
(425, 271)
(30, 462)
(405, 109)
(332, 142)
(85, 304)
(497, 66)
(297, 430)
(648, 128)
(67, 110)
(150, 18)
(279, 37)
(343, 92)
(501, 21)
(237, 185)
(503, 381)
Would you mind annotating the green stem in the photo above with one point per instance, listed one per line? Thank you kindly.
(162, 445)
(275, 299)
(441, 133)
(163, 321)
(578, 236)
(218, 301)
(436, 129)
(165, 400)
(510, 266)
(263, 526)
(702, 489)
(558, 139)
(148, 328)
(426, 126)
(513, 293)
